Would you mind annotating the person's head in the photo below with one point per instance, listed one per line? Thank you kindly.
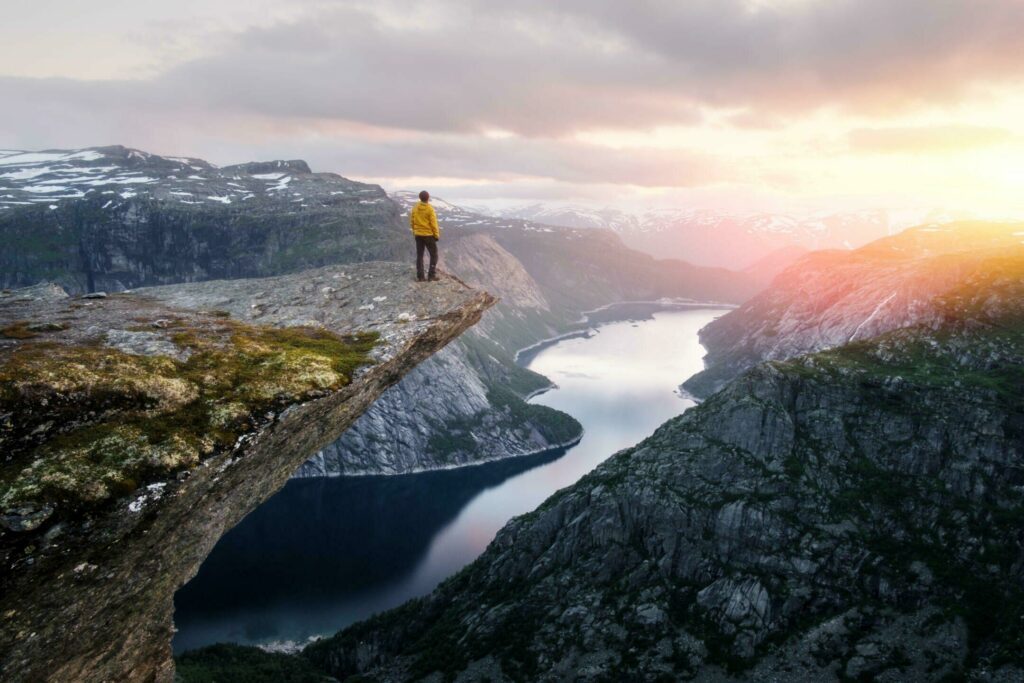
(424, 196)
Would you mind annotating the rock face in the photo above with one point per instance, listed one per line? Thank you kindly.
(465, 404)
(91, 563)
(831, 298)
(106, 219)
(111, 218)
(851, 514)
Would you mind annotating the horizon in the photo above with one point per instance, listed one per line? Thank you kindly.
(792, 106)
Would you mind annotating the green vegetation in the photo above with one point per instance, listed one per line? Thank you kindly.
(228, 663)
(554, 425)
(18, 330)
(25, 329)
(149, 416)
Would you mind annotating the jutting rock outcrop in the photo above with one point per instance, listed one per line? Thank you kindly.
(465, 405)
(137, 428)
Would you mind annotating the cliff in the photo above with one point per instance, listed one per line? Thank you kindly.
(850, 514)
(113, 218)
(138, 428)
(831, 298)
(465, 405)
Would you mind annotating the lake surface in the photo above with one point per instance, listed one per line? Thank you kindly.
(325, 553)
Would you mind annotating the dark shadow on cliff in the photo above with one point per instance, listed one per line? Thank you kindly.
(319, 545)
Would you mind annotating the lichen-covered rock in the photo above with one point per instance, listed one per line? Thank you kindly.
(124, 466)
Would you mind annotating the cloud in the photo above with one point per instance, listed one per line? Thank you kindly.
(396, 89)
(549, 69)
(925, 139)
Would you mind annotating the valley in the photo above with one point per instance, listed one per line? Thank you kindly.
(324, 553)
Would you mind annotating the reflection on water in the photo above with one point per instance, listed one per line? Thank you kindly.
(324, 553)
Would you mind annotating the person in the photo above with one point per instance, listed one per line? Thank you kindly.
(423, 221)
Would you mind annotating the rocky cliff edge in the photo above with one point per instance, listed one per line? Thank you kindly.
(138, 428)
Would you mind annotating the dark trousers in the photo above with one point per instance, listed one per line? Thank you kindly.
(430, 244)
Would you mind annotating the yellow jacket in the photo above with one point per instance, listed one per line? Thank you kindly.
(423, 221)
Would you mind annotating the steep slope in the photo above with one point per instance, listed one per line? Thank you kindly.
(830, 298)
(111, 218)
(581, 269)
(138, 428)
(465, 404)
(852, 514)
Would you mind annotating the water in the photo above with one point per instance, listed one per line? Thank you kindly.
(324, 553)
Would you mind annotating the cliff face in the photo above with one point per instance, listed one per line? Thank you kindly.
(849, 514)
(111, 218)
(831, 298)
(139, 428)
(464, 405)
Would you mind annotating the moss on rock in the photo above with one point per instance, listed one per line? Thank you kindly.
(89, 422)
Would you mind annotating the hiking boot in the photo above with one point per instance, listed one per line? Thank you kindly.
(433, 277)
(420, 278)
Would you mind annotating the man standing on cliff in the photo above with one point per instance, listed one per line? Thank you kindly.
(423, 221)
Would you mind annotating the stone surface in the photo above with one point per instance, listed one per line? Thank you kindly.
(90, 597)
(853, 513)
(124, 218)
(835, 297)
(464, 405)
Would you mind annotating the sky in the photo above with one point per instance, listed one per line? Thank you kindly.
(753, 104)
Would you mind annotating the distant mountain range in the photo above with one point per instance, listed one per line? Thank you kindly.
(730, 239)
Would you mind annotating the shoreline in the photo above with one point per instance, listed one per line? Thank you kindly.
(550, 449)
(591, 327)
(522, 357)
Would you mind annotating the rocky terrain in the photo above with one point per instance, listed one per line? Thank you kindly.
(830, 298)
(465, 404)
(853, 514)
(112, 218)
(138, 428)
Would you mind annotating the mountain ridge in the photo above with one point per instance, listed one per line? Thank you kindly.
(832, 297)
(846, 514)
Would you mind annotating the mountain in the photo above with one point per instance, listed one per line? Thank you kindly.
(138, 428)
(112, 218)
(852, 514)
(732, 239)
(830, 298)
(465, 404)
(765, 269)
(580, 269)
(575, 216)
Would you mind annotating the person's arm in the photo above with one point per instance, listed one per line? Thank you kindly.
(412, 220)
(433, 224)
